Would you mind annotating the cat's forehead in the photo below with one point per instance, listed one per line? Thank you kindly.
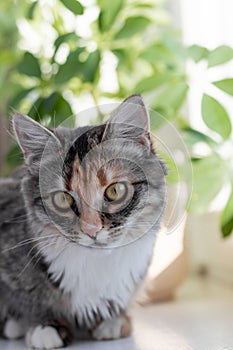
(94, 173)
(92, 164)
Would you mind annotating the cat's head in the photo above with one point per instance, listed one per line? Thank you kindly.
(98, 186)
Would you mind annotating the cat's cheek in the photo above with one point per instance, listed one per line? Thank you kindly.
(63, 222)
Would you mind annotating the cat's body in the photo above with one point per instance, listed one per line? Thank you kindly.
(63, 269)
(89, 287)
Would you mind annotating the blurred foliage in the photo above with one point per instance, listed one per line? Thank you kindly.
(55, 52)
(9, 53)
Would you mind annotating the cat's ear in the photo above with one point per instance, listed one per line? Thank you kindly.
(130, 120)
(31, 136)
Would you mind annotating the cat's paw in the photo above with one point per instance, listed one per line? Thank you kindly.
(115, 328)
(14, 329)
(46, 337)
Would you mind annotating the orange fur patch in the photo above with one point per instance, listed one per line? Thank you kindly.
(126, 327)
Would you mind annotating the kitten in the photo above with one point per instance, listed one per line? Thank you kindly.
(77, 227)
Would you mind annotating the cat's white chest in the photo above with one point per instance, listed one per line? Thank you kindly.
(95, 279)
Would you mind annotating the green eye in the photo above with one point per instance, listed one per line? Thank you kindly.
(62, 200)
(116, 192)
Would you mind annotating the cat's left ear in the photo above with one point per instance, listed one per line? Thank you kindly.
(130, 120)
(31, 137)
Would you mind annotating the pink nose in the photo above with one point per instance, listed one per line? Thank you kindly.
(89, 229)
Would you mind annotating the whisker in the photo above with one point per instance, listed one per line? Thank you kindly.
(57, 256)
(33, 257)
(27, 241)
(11, 134)
(41, 250)
(36, 246)
(20, 216)
(15, 221)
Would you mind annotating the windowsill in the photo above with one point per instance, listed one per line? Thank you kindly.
(200, 318)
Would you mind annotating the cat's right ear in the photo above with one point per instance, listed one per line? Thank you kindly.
(130, 120)
(31, 137)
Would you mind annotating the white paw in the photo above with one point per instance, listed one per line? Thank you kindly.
(14, 329)
(108, 329)
(43, 338)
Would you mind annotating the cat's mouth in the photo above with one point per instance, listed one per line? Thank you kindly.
(103, 239)
(114, 236)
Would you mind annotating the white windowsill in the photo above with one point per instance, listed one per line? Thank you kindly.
(201, 318)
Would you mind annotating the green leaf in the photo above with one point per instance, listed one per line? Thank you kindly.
(174, 44)
(151, 83)
(90, 67)
(36, 111)
(157, 53)
(227, 217)
(16, 100)
(171, 98)
(74, 6)
(226, 85)
(60, 111)
(29, 66)
(192, 136)
(215, 116)
(133, 26)
(72, 67)
(108, 13)
(220, 55)
(209, 176)
(31, 10)
(198, 53)
(54, 106)
(122, 56)
(145, 5)
(64, 39)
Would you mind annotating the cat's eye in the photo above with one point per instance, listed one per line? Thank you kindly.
(62, 200)
(116, 192)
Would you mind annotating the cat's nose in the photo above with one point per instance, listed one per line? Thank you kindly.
(90, 230)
